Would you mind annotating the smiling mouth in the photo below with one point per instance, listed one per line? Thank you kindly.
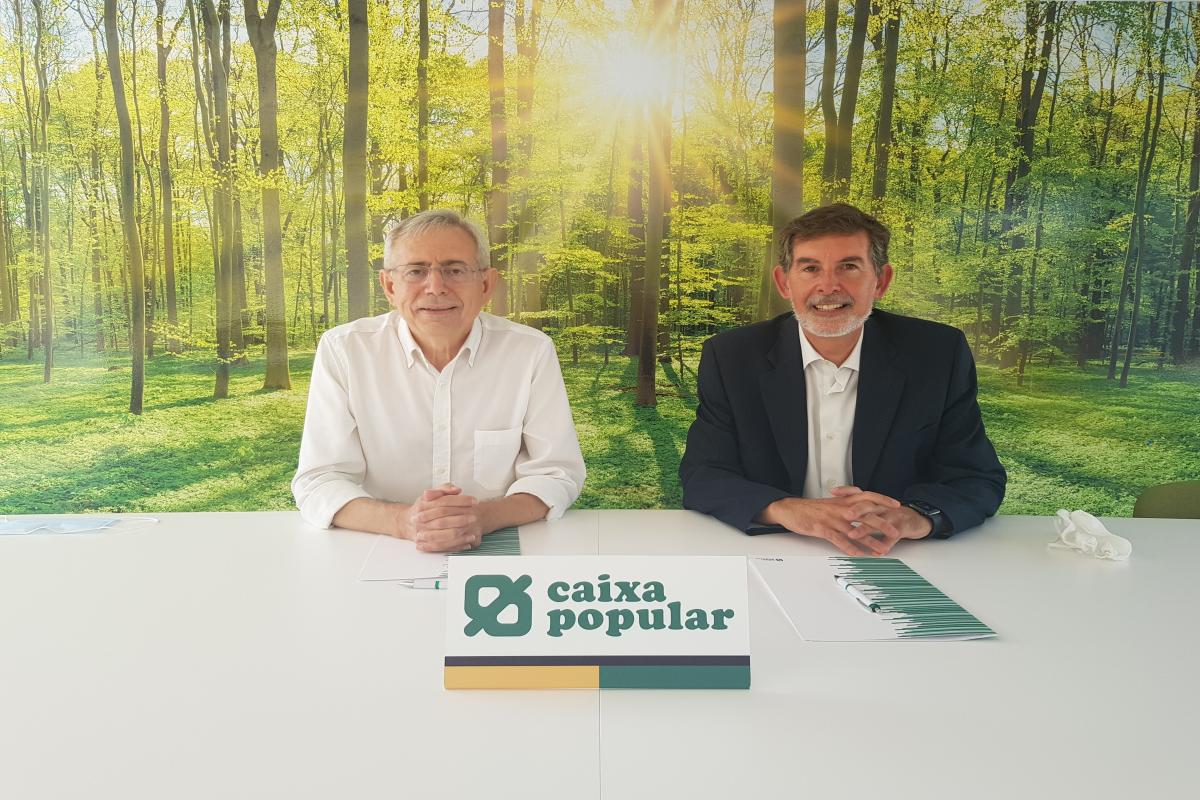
(828, 307)
(438, 310)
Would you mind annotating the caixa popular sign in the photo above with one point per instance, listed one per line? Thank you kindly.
(524, 622)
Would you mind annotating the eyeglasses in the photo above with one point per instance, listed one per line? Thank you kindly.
(453, 274)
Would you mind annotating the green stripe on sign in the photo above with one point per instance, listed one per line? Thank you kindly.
(675, 677)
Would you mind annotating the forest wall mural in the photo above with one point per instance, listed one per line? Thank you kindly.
(192, 191)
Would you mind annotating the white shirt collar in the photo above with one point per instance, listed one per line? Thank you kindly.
(412, 349)
(810, 354)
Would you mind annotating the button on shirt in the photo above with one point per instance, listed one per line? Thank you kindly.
(382, 422)
(832, 397)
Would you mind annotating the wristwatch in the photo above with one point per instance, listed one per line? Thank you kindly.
(941, 526)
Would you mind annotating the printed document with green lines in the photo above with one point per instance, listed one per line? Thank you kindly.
(393, 559)
(849, 599)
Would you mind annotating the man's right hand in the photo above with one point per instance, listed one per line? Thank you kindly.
(442, 520)
(847, 522)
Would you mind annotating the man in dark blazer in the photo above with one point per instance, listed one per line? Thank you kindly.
(857, 426)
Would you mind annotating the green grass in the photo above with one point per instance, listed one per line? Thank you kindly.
(1068, 438)
(1072, 439)
(72, 446)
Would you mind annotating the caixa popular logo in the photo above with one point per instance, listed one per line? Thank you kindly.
(615, 606)
(510, 592)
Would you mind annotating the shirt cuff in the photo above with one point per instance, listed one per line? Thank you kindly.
(556, 493)
(319, 504)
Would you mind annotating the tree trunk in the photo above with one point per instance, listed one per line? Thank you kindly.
(1145, 157)
(164, 170)
(887, 95)
(828, 104)
(379, 184)
(1187, 253)
(354, 164)
(1016, 190)
(241, 306)
(261, 30)
(787, 145)
(94, 190)
(40, 151)
(637, 232)
(1138, 219)
(133, 244)
(423, 93)
(216, 37)
(845, 118)
(658, 148)
(497, 198)
(526, 261)
(664, 278)
(8, 305)
(94, 248)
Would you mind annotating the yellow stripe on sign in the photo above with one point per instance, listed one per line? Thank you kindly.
(525, 677)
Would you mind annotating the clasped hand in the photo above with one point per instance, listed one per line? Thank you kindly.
(856, 522)
(442, 520)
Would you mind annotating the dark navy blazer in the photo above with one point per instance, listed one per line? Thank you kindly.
(918, 434)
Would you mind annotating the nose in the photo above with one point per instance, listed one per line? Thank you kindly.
(828, 281)
(435, 283)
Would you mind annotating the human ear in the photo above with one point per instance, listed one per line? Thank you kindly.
(781, 283)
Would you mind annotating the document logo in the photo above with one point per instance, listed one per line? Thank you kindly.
(510, 592)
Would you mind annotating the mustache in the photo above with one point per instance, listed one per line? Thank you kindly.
(831, 299)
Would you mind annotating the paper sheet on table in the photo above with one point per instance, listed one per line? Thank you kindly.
(23, 526)
(820, 610)
(393, 559)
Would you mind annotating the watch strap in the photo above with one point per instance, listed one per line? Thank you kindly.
(940, 526)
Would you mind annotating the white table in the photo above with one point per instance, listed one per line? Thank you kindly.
(1089, 690)
(236, 655)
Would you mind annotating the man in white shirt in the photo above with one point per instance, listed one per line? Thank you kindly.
(856, 426)
(436, 422)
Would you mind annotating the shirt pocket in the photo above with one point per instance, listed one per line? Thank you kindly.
(496, 456)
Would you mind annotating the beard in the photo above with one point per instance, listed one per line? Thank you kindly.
(829, 325)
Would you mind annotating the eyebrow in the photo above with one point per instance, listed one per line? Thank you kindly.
(430, 263)
(846, 260)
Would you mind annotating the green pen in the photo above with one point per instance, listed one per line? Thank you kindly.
(857, 594)
(424, 583)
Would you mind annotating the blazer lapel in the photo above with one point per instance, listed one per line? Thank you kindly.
(880, 386)
(786, 401)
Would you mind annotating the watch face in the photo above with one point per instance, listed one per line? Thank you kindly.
(924, 508)
(936, 519)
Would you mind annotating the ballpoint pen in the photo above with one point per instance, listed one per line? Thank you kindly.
(857, 594)
(424, 583)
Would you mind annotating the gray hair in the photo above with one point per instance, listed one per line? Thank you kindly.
(425, 221)
(839, 219)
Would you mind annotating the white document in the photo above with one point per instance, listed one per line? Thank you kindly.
(394, 559)
(821, 609)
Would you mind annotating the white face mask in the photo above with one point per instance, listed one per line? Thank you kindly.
(25, 525)
(1079, 530)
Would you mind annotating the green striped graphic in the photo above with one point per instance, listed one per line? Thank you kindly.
(504, 542)
(913, 606)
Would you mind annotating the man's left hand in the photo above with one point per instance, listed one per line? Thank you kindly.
(907, 522)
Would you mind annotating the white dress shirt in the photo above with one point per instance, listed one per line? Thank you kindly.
(832, 397)
(383, 423)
